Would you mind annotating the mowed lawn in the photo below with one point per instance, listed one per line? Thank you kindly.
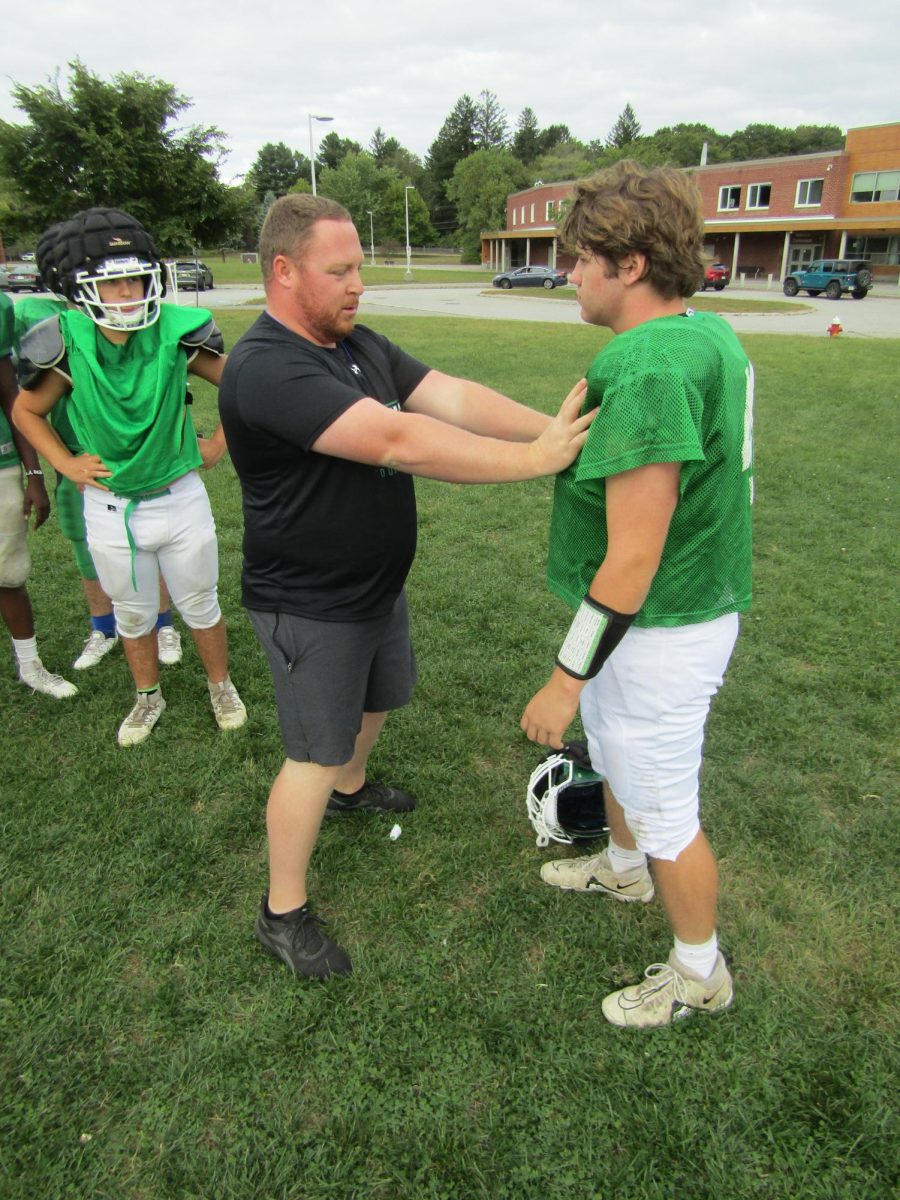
(151, 1050)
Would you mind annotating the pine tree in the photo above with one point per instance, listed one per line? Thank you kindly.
(625, 130)
(490, 126)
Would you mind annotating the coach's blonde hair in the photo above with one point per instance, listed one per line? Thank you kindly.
(289, 224)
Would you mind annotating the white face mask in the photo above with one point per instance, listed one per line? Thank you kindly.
(140, 314)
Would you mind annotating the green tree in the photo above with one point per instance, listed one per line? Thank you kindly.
(811, 139)
(490, 124)
(626, 128)
(276, 169)
(390, 221)
(333, 149)
(455, 141)
(115, 143)
(479, 188)
(359, 184)
(526, 142)
(553, 136)
(567, 160)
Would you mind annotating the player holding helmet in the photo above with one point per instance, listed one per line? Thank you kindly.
(121, 358)
(650, 544)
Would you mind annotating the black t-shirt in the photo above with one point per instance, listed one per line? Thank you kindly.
(323, 537)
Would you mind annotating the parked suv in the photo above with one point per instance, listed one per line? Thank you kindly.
(716, 276)
(192, 275)
(833, 276)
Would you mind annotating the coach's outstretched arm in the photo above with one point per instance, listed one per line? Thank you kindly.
(369, 432)
(472, 406)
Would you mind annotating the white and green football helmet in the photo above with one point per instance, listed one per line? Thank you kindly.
(565, 797)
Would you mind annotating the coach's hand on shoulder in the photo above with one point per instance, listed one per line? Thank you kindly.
(85, 470)
(561, 441)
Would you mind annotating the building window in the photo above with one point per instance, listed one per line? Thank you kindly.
(809, 193)
(523, 214)
(870, 187)
(549, 213)
(532, 215)
(729, 197)
(884, 250)
(515, 216)
(758, 195)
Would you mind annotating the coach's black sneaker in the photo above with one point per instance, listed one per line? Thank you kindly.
(299, 939)
(371, 795)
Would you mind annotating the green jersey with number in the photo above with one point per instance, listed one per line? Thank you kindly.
(674, 389)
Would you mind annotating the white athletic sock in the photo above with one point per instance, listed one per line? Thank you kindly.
(624, 860)
(699, 959)
(26, 651)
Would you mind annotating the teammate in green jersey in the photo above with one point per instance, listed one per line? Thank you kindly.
(650, 544)
(70, 517)
(16, 506)
(121, 359)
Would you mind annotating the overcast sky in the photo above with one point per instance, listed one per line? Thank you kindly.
(257, 68)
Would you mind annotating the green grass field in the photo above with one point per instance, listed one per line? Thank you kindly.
(150, 1050)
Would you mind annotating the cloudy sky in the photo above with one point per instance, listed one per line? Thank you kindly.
(257, 69)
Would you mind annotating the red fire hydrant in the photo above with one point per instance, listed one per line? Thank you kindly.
(835, 327)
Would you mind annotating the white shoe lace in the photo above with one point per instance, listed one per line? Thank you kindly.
(169, 640)
(39, 679)
(144, 713)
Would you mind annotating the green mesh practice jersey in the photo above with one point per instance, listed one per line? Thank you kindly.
(127, 403)
(674, 389)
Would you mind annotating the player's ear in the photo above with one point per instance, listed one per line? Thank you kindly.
(633, 267)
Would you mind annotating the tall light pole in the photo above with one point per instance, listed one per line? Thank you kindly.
(312, 149)
(371, 233)
(409, 188)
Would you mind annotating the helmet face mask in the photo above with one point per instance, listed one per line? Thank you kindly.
(565, 797)
(125, 315)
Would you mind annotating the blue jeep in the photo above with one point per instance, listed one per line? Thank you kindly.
(833, 276)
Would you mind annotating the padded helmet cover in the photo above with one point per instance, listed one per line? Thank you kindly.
(85, 241)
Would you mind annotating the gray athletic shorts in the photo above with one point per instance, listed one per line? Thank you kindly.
(328, 673)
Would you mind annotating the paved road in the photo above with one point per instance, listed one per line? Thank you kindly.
(876, 316)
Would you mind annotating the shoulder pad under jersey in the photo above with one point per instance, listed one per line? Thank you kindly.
(41, 348)
(207, 336)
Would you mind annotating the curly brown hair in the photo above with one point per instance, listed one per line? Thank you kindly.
(289, 225)
(653, 210)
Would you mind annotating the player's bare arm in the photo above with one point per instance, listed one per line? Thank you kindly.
(30, 413)
(640, 504)
(369, 432)
(209, 366)
(34, 496)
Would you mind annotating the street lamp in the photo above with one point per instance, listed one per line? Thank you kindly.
(312, 149)
(409, 188)
(371, 234)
